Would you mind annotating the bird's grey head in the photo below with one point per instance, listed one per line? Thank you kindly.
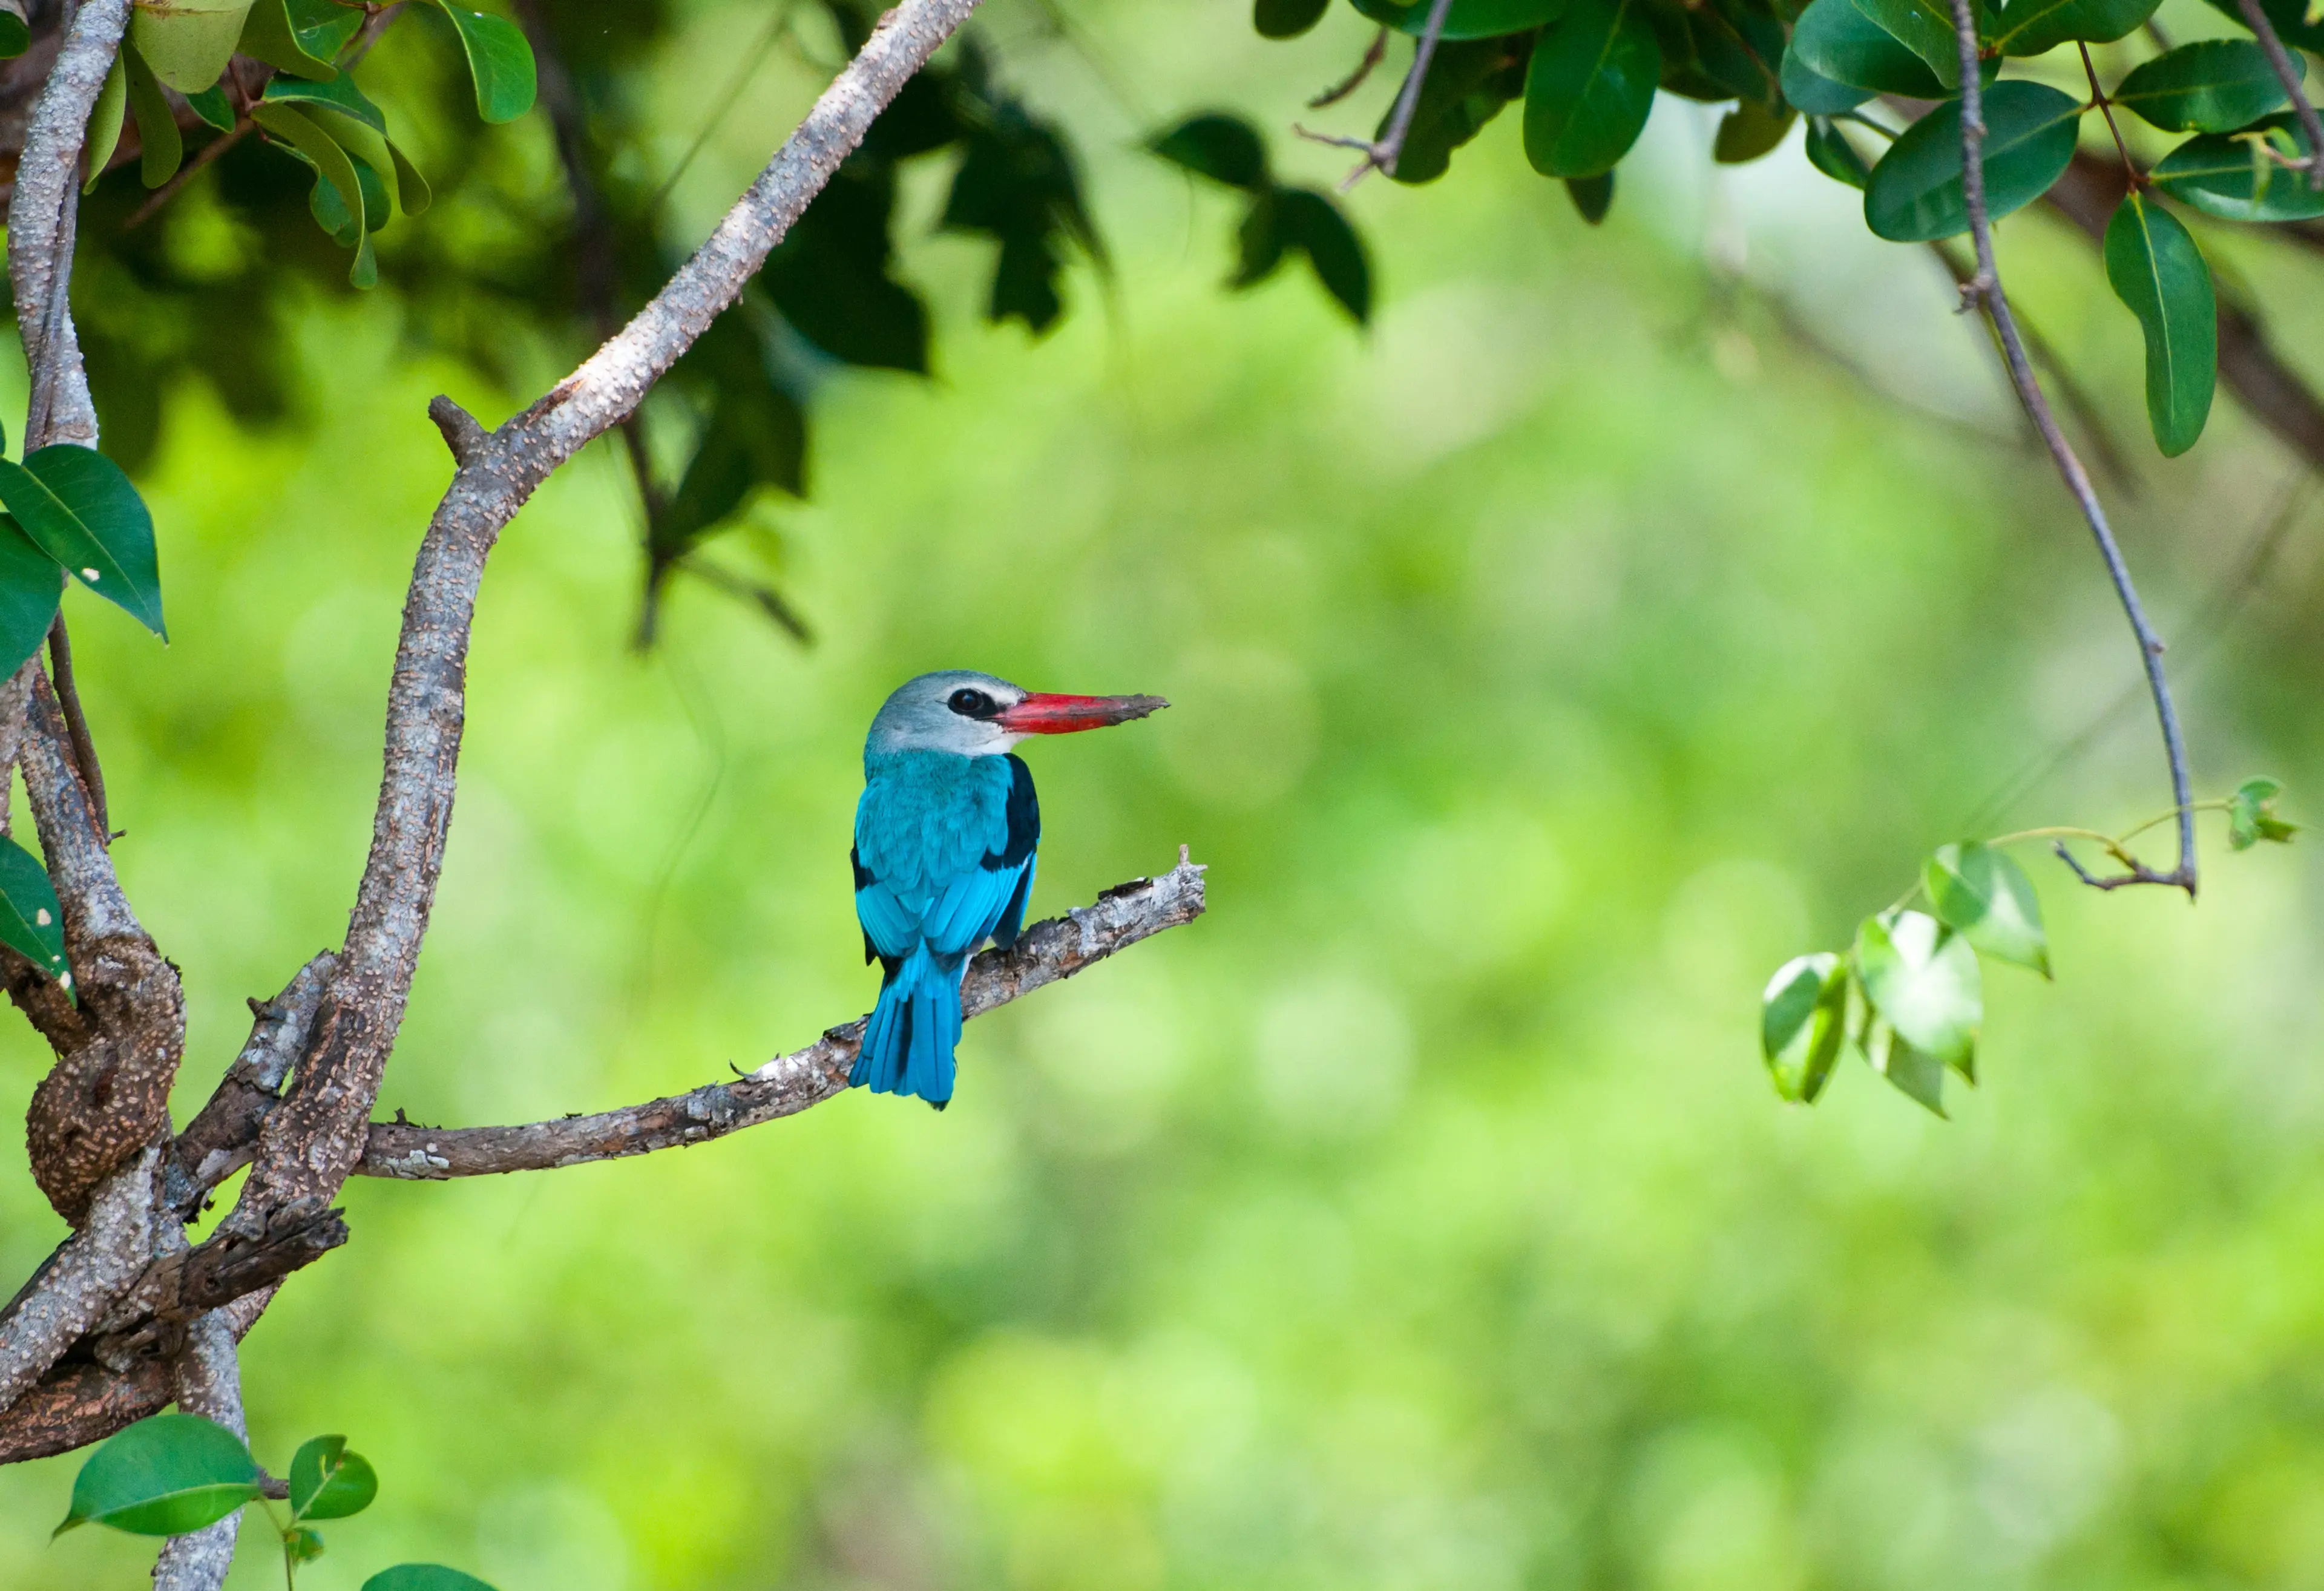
(973, 714)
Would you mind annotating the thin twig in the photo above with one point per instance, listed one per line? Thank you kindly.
(1376, 52)
(725, 103)
(766, 598)
(2106, 108)
(1984, 288)
(202, 158)
(1382, 153)
(2289, 72)
(84, 746)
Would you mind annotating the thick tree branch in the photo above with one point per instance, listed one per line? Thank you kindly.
(1047, 951)
(208, 1382)
(69, 1293)
(217, 1142)
(81, 1401)
(1984, 288)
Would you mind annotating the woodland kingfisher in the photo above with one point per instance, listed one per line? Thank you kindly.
(945, 837)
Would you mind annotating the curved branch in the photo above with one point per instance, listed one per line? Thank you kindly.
(1984, 290)
(83, 1402)
(1047, 951)
(71, 1292)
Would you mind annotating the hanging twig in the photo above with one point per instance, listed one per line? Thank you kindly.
(1376, 52)
(1984, 290)
(1381, 155)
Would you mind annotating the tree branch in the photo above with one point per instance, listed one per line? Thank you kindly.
(1984, 288)
(1382, 154)
(84, 745)
(72, 1291)
(208, 1382)
(82, 1401)
(1047, 951)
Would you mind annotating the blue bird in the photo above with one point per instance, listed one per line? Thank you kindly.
(945, 837)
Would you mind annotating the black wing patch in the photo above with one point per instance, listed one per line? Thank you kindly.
(1024, 818)
(864, 876)
(1012, 921)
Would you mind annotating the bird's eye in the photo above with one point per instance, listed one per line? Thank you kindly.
(974, 705)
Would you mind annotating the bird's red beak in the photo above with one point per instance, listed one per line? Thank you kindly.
(1041, 715)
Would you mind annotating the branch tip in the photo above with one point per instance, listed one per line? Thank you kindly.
(462, 432)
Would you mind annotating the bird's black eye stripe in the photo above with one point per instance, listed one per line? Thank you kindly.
(974, 705)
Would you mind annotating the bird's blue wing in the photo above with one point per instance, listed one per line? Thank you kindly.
(1016, 856)
(970, 908)
(890, 928)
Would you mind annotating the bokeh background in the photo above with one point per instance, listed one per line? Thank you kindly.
(1627, 611)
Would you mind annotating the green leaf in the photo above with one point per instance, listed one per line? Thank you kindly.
(164, 1477)
(104, 136)
(301, 1545)
(2222, 175)
(30, 584)
(1749, 131)
(499, 59)
(2251, 816)
(162, 149)
(1802, 1020)
(1590, 87)
(2032, 27)
(339, 95)
(1258, 241)
(32, 922)
(267, 35)
(1222, 148)
(15, 36)
(1812, 93)
(423, 1577)
(1915, 193)
(411, 186)
(1925, 27)
(1470, 82)
(2154, 267)
(1923, 980)
(2292, 19)
(332, 164)
(187, 43)
(1312, 223)
(1834, 39)
(1716, 51)
(324, 27)
(212, 106)
(1465, 19)
(327, 1482)
(1983, 895)
(81, 510)
(2211, 85)
(1286, 19)
(1830, 152)
(1592, 196)
(1913, 1072)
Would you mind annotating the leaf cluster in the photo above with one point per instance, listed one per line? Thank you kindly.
(1279, 220)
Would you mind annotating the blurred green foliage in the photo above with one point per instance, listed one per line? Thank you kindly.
(1549, 664)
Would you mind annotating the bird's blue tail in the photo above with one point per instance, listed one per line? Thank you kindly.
(907, 1044)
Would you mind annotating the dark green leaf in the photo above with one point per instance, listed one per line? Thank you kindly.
(327, 1482)
(499, 59)
(81, 510)
(339, 95)
(1834, 39)
(756, 437)
(32, 923)
(2223, 175)
(1802, 1020)
(1985, 897)
(1590, 87)
(1915, 193)
(1922, 981)
(164, 1477)
(1749, 131)
(213, 107)
(16, 37)
(1286, 19)
(1224, 148)
(1925, 27)
(2251, 816)
(1592, 196)
(2032, 27)
(187, 43)
(2289, 19)
(1717, 50)
(324, 27)
(1830, 153)
(1312, 223)
(2154, 267)
(411, 186)
(331, 162)
(1913, 1073)
(301, 1545)
(29, 584)
(1465, 19)
(2211, 85)
(267, 35)
(105, 120)
(162, 149)
(1258, 241)
(1468, 83)
(423, 1577)
(1811, 93)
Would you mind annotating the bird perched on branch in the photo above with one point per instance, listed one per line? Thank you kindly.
(945, 837)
